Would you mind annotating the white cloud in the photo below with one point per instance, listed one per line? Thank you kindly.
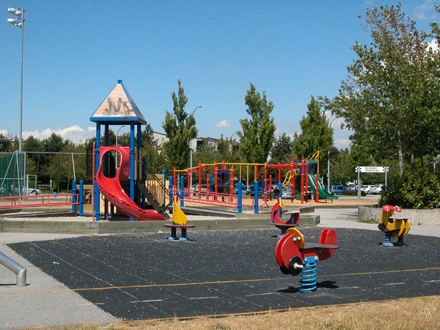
(426, 10)
(433, 44)
(74, 133)
(342, 143)
(223, 124)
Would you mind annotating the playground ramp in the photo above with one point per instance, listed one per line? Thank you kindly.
(323, 193)
(208, 212)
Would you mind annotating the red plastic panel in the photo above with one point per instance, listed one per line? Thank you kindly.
(112, 190)
(289, 249)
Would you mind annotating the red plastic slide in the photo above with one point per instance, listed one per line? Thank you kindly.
(112, 190)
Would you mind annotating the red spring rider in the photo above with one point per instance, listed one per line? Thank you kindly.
(295, 257)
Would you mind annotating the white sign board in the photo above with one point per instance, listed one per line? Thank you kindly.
(372, 169)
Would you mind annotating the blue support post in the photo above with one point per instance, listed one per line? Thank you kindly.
(73, 196)
(170, 189)
(81, 198)
(132, 164)
(144, 178)
(239, 196)
(96, 188)
(182, 186)
(256, 197)
(139, 172)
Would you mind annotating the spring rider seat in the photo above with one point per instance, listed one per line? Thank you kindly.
(292, 221)
(295, 257)
(393, 226)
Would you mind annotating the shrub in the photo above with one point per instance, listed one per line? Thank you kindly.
(417, 190)
(354, 193)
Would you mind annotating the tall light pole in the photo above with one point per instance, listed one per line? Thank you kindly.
(19, 21)
(328, 161)
(230, 141)
(191, 151)
(199, 106)
(117, 143)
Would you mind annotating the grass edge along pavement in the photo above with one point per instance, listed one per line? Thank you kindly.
(420, 313)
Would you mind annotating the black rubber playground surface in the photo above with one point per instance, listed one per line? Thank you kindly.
(145, 276)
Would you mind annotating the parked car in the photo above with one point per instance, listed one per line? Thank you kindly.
(195, 189)
(338, 190)
(243, 189)
(286, 193)
(202, 187)
(351, 188)
(366, 189)
(27, 191)
(376, 190)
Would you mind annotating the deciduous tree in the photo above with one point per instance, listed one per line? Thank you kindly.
(180, 128)
(316, 134)
(257, 133)
(392, 96)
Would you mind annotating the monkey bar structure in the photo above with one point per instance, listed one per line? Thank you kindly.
(220, 178)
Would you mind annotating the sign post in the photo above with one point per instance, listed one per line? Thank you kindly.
(370, 169)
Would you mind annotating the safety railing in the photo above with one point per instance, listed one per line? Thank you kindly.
(11, 202)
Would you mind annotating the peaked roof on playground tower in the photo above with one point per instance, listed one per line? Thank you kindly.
(118, 108)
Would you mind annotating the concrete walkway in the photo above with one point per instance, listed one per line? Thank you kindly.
(47, 302)
(347, 218)
(44, 301)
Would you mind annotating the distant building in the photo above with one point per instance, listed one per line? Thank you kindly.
(4, 143)
(198, 142)
(160, 137)
(194, 143)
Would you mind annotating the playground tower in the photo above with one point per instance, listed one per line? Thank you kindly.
(118, 108)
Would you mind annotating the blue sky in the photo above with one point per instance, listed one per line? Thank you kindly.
(75, 51)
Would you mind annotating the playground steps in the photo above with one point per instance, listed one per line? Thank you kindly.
(152, 200)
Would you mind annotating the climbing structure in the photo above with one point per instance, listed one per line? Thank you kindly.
(121, 182)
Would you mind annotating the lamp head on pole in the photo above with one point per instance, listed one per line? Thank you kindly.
(16, 21)
(13, 11)
(199, 106)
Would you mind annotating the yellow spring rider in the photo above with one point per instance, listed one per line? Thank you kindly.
(393, 226)
(179, 220)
